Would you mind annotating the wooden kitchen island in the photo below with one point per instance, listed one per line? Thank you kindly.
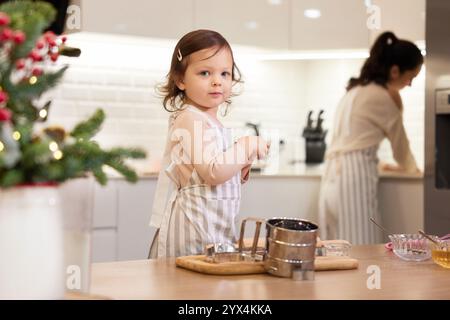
(161, 279)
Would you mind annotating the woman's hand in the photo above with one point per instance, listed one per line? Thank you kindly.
(389, 167)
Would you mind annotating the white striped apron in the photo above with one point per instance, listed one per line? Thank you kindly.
(348, 193)
(198, 214)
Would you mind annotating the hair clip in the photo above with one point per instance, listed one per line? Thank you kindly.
(179, 56)
(389, 41)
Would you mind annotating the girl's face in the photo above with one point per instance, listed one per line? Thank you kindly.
(207, 81)
(400, 80)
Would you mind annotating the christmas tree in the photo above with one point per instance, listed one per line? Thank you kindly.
(28, 68)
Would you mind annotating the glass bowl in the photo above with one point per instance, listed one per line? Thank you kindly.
(410, 247)
(337, 249)
(441, 253)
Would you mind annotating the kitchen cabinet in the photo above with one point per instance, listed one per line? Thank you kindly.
(121, 212)
(104, 245)
(406, 18)
(104, 222)
(273, 24)
(105, 206)
(250, 22)
(135, 203)
(155, 18)
(342, 25)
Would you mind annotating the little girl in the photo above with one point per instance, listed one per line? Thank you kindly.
(198, 192)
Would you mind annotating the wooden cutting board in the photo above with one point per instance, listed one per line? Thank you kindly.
(198, 264)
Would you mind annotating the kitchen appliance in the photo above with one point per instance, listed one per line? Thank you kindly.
(315, 145)
(289, 251)
(437, 119)
(291, 246)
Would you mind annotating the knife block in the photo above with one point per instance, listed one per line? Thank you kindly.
(315, 150)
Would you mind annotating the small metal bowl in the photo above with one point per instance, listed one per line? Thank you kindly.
(220, 252)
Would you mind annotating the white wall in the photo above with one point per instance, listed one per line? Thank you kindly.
(119, 74)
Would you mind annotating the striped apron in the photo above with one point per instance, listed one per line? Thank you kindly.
(348, 193)
(198, 214)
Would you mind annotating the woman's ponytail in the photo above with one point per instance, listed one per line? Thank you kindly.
(386, 52)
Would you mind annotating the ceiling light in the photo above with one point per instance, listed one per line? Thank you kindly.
(275, 2)
(368, 3)
(252, 25)
(312, 13)
(315, 55)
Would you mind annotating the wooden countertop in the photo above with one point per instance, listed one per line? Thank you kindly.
(161, 279)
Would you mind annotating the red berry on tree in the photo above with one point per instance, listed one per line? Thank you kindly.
(49, 35)
(5, 114)
(19, 37)
(54, 56)
(35, 56)
(36, 72)
(40, 44)
(20, 64)
(3, 96)
(4, 19)
(6, 34)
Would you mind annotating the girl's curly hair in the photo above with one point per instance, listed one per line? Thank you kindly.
(191, 42)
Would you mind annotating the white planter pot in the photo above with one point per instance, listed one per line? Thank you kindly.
(31, 243)
(77, 197)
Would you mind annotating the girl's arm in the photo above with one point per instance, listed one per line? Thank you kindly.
(198, 142)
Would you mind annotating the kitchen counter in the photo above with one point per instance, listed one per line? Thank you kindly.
(161, 279)
(298, 170)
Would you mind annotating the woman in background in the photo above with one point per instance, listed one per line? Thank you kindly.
(370, 111)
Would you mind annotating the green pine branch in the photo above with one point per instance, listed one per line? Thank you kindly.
(90, 127)
(25, 90)
(133, 153)
(37, 153)
(100, 176)
(79, 154)
(129, 174)
(11, 178)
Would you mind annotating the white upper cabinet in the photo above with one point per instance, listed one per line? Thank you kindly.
(272, 24)
(262, 23)
(341, 24)
(406, 18)
(149, 18)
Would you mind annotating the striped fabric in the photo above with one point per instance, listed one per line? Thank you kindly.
(199, 214)
(348, 197)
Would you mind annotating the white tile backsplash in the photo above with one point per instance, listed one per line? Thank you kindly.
(119, 74)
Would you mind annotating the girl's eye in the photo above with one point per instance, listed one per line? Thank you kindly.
(204, 73)
(226, 74)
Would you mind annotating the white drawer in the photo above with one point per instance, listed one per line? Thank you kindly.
(104, 245)
(105, 206)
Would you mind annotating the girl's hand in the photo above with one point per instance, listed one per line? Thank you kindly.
(245, 173)
(263, 148)
(256, 147)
